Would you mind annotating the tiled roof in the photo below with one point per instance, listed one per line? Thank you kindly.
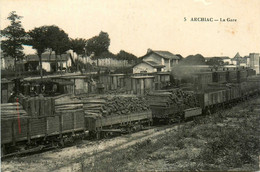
(163, 54)
(237, 56)
(222, 57)
(153, 64)
(166, 55)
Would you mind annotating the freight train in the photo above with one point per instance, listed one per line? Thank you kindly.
(34, 123)
(210, 90)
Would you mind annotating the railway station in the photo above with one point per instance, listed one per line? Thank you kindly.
(130, 93)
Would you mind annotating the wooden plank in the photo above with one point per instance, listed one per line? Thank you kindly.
(32, 106)
(37, 106)
(53, 124)
(60, 124)
(42, 108)
(29, 131)
(13, 134)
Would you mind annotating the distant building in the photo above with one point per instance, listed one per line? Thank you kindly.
(147, 67)
(237, 59)
(165, 58)
(7, 62)
(225, 59)
(254, 61)
(48, 61)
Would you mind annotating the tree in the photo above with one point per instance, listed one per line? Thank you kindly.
(123, 55)
(197, 59)
(98, 44)
(180, 56)
(38, 40)
(13, 35)
(57, 40)
(78, 46)
(215, 61)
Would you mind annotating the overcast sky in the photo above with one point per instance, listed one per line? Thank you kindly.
(136, 25)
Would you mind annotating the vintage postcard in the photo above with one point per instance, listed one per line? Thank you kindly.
(130, 85)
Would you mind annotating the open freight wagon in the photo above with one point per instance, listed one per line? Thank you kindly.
(173, 105)
(99, 126)
(23, 132)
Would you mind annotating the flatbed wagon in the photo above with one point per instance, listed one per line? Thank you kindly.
(100, 125)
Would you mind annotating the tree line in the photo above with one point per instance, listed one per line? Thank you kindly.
(56, 40)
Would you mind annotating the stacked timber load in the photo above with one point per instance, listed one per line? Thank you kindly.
(13, 122)
(124, 105)
(12, 111)
(163, 99)
(114, 106)
(171, 98)
(103, 106)
(68, 104)
(189, 100)
(93, 106)
(37, 106)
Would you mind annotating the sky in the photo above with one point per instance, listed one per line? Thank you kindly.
(136, 25)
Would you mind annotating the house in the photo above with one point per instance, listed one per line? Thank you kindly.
(147, 67)
(225, 59)
(6, 89)
(236, 60)
(254, 61)
(7, 62)
(165, 58)
(49, 61)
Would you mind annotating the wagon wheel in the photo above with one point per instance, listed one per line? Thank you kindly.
(105, 135)
(61, 142)
(155, 121)
(142, 127)
(97, 133)
(92, 134)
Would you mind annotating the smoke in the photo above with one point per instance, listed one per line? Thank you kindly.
(186, 72)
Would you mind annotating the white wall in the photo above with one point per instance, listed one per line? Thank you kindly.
(46, 66)
(254, 61)
(143, 67)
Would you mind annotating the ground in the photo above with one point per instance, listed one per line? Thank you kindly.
(227, 140)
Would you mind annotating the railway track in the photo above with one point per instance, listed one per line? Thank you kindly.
(88, 149)
(84, 152)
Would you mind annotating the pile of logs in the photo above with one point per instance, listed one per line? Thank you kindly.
(174, 97)
(103, 106)
(124, 105)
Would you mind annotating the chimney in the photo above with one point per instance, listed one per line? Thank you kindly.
(149, 50)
